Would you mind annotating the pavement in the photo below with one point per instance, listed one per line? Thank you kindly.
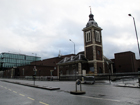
(136, 85)
(31, 85)
(130, 85)
(103, 92)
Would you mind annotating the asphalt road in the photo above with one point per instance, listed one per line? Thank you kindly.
(97, 94)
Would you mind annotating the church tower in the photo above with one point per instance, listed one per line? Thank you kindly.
(93, 48)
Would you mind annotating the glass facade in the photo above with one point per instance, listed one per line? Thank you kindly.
(9, 60)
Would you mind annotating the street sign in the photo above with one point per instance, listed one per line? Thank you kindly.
(78, 82)
(34, 69)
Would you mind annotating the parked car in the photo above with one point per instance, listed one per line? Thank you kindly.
(89, 79)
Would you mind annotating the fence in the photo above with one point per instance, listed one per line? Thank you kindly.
(38, 78)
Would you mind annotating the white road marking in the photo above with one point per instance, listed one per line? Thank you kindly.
(101, 98)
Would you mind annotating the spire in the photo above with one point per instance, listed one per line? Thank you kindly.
(91, 16)
(91, 19)
(90, 10)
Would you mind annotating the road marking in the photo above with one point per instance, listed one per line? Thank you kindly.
(1, 86)
(14, 91)
(21, 94)
(43, 103)
(31, 98)
(9, 89)
(101, 98)
(5, 87)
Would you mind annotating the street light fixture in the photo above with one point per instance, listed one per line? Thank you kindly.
(74, 45)
(135, 32)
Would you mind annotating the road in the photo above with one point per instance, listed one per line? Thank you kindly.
(97, 94)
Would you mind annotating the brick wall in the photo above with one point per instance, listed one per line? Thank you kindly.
(98, 53)
(125, 62)
(89, 53)
(99, 67)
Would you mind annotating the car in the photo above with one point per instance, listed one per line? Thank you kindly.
(89, 79)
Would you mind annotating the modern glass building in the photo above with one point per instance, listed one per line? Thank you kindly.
(10, 60)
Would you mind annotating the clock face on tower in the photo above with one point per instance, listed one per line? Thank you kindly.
(97, 36)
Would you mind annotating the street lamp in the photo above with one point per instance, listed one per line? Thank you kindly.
(135, 32)
(74, 45)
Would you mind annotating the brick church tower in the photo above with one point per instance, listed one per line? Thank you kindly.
(93, 48)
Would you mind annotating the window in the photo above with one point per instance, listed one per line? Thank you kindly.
(98, 52)
(92, 69)
(97, 35)
(100, 70)
(88, 36)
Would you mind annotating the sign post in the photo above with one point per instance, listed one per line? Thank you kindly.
(139, 78)
(34, 75)
(78, 92)
(51, 79)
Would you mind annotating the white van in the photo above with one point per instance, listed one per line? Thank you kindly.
(89, 79)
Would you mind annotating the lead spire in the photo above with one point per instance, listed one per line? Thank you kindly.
(91, 16)
(91, 21)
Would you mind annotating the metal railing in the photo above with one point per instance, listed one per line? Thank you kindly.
(38, 78)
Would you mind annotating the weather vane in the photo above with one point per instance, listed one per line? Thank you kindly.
(90, 9)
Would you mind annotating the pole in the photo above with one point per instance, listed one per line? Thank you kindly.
(74, 45)
(136, 35)
(74, 48)
(34, 80)
(135, 32)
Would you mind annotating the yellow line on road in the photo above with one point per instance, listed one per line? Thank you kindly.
(9, 89)
(31, 98)
(43, 103)
(5, 87)
(21, 94)
(14, 91)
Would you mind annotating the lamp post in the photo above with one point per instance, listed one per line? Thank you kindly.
(74, 45)
(135, 32)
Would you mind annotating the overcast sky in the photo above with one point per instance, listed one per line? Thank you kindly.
(45, 26)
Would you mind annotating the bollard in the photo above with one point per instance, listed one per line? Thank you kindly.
(78, 92)
(82, 79)
(139, 81)
(34, 77)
